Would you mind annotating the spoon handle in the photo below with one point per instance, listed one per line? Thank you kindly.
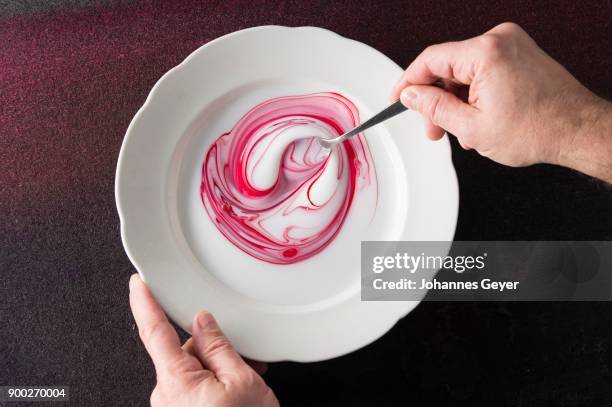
(392, 110)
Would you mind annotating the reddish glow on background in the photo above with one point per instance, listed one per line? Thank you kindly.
(244, 214)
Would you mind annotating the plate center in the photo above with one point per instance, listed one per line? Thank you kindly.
(378, 212)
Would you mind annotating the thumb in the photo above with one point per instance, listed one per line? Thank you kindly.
(212, 347)
(442, 108)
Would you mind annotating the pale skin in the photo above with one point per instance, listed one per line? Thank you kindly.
(502, 96)
(506, 98)
(205, 371)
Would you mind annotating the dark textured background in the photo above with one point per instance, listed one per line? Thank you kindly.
(72, 75)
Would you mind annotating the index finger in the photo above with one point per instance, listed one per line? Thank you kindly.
(159, 337)
(452, 61)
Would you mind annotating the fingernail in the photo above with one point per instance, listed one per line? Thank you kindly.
(408, 96)
(206, 322)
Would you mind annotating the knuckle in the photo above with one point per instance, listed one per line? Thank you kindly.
(177, 364)
(429, 49)
(428, 53)
(467, 140)
(464, 145)
(218, 344)
(491, 45)
(509, 27)
(435, 109)
(150, 331)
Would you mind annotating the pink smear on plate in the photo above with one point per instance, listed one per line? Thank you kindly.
(272, 190)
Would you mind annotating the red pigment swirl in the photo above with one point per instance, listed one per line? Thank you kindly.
(272, 190)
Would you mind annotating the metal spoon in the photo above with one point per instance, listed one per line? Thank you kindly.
(395, 109)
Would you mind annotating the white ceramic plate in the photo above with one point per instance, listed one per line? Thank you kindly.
(313, 310)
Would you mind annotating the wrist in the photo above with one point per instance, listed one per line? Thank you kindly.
(586, 142)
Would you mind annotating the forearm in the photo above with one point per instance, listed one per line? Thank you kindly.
(588, 148)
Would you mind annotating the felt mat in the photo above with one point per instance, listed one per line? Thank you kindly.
(73, 74)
